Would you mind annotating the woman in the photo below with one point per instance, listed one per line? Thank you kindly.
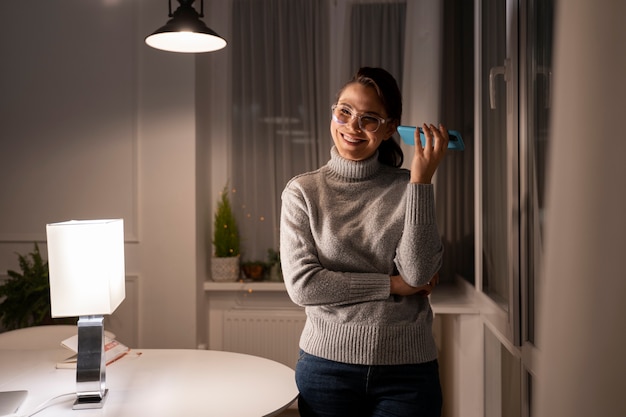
(360, 250)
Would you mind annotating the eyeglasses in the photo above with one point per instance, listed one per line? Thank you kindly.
(367, 122)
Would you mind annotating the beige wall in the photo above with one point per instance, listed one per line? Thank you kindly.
(94, 124)
(582, 369)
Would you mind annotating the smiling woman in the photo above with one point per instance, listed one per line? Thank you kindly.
(361, 251)
(355, 138)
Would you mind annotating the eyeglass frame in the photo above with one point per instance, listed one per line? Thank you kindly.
(358, 116)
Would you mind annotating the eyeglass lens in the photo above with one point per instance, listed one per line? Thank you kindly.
(343, 115)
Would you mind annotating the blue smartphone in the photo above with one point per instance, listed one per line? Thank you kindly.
(407, 134)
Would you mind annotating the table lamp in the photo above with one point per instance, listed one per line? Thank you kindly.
(86, 268)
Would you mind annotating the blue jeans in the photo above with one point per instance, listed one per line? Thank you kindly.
(337, 389)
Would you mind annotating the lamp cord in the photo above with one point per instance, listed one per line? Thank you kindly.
(47, 404)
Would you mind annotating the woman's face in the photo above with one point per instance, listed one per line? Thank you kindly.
(352, 142)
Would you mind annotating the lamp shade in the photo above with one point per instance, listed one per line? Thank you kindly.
(86, 267)
(185, 32)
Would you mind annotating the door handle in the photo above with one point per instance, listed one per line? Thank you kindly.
(493, 73)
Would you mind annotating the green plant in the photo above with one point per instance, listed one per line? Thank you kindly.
(225, 231)
(27, 294)
(255, 269)
(276, 271)
(273, 257)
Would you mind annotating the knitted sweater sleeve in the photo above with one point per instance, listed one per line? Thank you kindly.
(420, 252)
(308, 282)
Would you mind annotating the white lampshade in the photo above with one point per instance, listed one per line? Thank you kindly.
(86, 267)
(186, 42)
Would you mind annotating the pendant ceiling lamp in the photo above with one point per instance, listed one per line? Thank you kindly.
(185, 32)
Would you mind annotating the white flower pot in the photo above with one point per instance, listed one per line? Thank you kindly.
(225, 269)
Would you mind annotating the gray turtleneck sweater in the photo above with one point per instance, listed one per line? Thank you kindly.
(345, 228)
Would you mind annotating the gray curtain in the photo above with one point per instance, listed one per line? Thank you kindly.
(280, 102)
(377, 36)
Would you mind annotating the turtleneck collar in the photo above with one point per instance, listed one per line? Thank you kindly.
(353, 170)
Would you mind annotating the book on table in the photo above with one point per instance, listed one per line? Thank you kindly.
(113, 350)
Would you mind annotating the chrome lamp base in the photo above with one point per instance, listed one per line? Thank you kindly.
(90, 366)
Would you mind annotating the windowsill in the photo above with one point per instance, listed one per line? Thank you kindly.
(458, 297)
(455, 298)
(245, 286)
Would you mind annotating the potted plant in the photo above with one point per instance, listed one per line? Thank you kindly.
(256, 270)
(26, 296)
(225, 262)
(276, 272)
(260, 270)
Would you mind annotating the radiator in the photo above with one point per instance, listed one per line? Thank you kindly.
(271, 334)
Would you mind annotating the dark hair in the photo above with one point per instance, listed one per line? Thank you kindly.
(389, 152)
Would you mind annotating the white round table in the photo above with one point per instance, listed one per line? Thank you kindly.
(156, 383)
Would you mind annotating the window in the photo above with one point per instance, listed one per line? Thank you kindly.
(282, 93)
(535, 95)
(499, 156)
(538, 83)
(514, 116)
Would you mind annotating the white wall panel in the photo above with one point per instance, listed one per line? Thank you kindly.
(581, 337)
(93, 124)
(67, 115)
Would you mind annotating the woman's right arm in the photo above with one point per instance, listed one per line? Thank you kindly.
(308, 282)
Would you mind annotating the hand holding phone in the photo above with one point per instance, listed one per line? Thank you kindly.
(407, 134)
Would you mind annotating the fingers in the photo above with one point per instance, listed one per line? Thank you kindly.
(428, 134)
(436, 137)
(426, 157)
(442, 138)
(434, 280)
(399, 287)
(430, 286)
